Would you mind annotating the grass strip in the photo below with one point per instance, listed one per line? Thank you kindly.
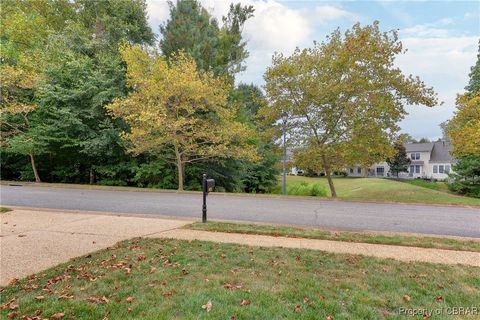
(314, 233)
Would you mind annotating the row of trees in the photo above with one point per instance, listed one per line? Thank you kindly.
(87, 97)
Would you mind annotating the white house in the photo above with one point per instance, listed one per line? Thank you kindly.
(428, 160)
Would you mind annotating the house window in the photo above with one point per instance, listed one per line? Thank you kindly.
(447, 168)
(415, 156)
(351, 170)
(440, 169)
(415, 169)
(380, 171)
(359, 170)
(435, 169)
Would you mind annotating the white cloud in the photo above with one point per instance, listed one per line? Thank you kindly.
(425, 31)
(158, 12)
(443, 62)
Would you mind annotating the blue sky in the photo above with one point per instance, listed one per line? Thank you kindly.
(441, 38)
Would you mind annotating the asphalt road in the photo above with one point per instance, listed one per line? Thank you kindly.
(341, 215)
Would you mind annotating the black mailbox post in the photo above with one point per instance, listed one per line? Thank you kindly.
(207, 186)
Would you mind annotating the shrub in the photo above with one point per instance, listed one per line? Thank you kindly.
(465, 178)
(307, 189)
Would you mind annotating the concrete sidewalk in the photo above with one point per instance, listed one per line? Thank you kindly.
(34, 240)
(401, 253)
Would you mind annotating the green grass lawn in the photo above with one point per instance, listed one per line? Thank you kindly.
(385, 190)
(171, 279)
(3, 209)
(315, 233)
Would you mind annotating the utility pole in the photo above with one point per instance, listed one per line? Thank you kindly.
(284, 184)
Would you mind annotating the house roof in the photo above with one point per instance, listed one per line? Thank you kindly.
(418, 147)
(441, 152)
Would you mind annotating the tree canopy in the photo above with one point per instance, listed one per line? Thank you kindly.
(175, 109)
(342, 91)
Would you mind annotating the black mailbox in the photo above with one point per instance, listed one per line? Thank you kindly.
(208, 185)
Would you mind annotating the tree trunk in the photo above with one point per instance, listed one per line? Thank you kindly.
(329, 177)
(179, 161)
(92, 175)
(35, 172)
(365, 172)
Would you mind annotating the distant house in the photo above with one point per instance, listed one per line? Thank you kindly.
(428, 160)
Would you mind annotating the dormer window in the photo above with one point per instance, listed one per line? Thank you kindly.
(415, 156)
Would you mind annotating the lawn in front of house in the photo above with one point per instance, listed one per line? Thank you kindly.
(347, 236)
(165, 279)
(383, 190)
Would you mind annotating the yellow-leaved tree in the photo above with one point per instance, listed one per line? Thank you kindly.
(464, 127)
(344, 98)
(179, 113)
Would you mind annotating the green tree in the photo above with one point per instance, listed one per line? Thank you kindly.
(192, 29)
(400, 162)
(424, 140)
(70, 49)
(259, 176)
(474, 82)
(466, 176)
(175, 109)
(337, 89)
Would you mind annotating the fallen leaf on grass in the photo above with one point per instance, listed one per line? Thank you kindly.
(38, 312)
(39, 298)
(439, 298)
(228, 285)
(130, 299)
(9, 304)
(306, 300)
(12, 315)
(208, 306)
(167, 263)
(57, 316)
(153, 269)
(65, 296)
(141, 257)
(298, 308)
(245, 302)
(100, 300)
(13, 306)
(407, 298)
(329, 317)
